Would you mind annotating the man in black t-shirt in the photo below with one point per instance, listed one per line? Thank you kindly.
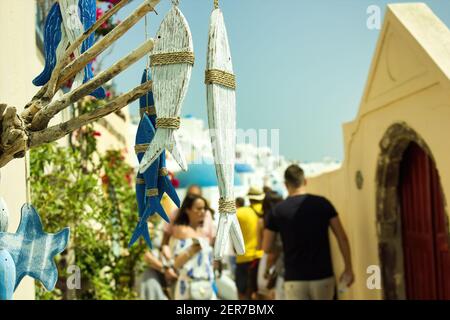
(303, 221)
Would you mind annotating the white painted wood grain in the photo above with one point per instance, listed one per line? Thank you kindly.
(221, 103)
(73, 28)
(170, 85)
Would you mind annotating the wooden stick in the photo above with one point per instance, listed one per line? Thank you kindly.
(41, 119)
(56, 132)
(51, 85)
(75, 66)
(42, 99)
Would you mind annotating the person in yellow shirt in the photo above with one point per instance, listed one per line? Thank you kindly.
(247, 264)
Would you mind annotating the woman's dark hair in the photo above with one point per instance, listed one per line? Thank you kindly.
(270, 200)
(182, 216)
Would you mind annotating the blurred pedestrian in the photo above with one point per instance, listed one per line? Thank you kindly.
(270, 269)
(158, 276)
(192, 252)
(208, 228)
(303, 221)
(247, 265)
(240, 202)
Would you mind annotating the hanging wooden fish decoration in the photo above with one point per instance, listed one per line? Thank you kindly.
(147, 105)
(172, 60)
(33, 250)
(221, 103)
(164, 183)
(149, 179)
(65, 22)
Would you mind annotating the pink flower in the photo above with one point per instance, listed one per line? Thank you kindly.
(175, 183)
(99, 13)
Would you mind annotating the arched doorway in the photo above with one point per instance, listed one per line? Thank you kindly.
(424, 235)
(411, 218)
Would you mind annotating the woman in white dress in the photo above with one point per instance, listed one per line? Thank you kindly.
(193, 255)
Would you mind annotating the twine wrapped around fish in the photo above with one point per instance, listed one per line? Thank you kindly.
(221, 102)
(171, 63)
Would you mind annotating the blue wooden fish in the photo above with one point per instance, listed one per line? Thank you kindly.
(164, 183)
(53, 36)
(7, 275)
(33, 250)
(140, 194)
(145, 134)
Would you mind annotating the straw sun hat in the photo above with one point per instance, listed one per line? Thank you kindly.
(256, 194)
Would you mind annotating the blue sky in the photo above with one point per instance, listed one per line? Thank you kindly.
(301, 65)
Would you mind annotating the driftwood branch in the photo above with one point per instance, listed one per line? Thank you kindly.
(20, 132)
(51, 87)
(42, 118)
(65, 72)
(58, 131)
(75, 66)
(14, 138)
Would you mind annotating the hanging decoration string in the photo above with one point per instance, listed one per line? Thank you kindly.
(27, 179)
(216, 4)
(227, 206)
(161, 59)
(221, 77)
(168, 123)
(147, 108)
(152, 192)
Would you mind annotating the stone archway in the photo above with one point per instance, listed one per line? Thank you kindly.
(389, 229)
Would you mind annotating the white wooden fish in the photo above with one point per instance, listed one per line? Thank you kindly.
(73, 28)
(66, 21)
(170, 83)
(221, 102)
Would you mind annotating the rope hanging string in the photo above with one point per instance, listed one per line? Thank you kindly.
(147, 109)
(168, 123)
(220, 77)
(27, 179)
(163, 172)
(161, 59)
(141, 148)
(216, 4)
(152, 192)
(227, 206)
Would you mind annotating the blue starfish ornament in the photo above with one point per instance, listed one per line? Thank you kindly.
(7, 275)
(33, 250)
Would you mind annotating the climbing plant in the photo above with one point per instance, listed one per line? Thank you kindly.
(92, 193)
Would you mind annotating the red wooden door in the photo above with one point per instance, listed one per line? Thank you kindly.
(424, 228)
